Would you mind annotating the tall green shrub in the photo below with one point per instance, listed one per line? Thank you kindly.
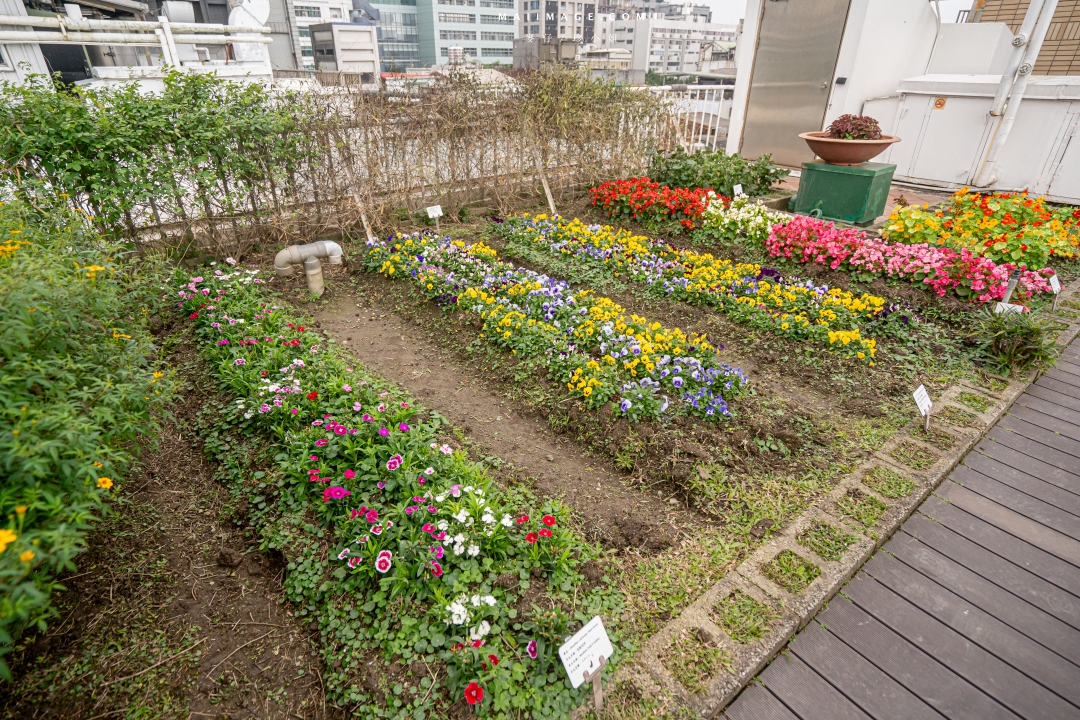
(76, 387)
(115, 152)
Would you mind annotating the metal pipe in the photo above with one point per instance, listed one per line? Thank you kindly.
(102, 38)
(91, 24)
(1019, 44)
(308, 255)
(988, 176)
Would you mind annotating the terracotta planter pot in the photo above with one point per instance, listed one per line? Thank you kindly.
(846, 152)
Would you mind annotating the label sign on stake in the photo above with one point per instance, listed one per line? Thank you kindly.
(585, 651)
(1055, 285)
(737, 190)
(1004, 308)
(435, 212)
(922, 399)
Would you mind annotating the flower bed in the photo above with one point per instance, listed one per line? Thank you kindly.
(943, 270)
(398, 545)
(79, 388)
(588, 342)
(746, 292)
(1002, 227)
(652, 203)
(741, 218)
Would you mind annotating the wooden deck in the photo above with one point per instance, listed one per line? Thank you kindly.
(972, 609)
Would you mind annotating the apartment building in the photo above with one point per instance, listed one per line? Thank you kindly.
(558, 19)
(1060, 54)
(420, 33)
(666, 42)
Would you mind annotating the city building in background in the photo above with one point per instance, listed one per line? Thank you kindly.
(346, 47)
(420, 33)
(1060, 54)
(664, 41)
(561, 19)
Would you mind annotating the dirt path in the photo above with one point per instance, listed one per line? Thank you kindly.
(173, 612)
(612, 510)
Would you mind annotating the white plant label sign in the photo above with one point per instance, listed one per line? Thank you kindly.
(581, 653)
(435, 211)
(1003, 308)
(737, 190)
(922, 399)
(1055, 284)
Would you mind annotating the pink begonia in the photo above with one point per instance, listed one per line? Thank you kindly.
(808, 240)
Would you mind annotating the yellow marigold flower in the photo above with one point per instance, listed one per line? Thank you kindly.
(27, 556)
(6, 538)
(104, 482)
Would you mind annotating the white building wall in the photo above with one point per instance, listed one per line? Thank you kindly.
(665, 44)
(315, 12)
(18, 61)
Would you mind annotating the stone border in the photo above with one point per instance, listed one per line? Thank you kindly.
(650, 675)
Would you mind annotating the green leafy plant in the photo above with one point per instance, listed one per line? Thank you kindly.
(717, 170)
(1012, 343)
(78, 387)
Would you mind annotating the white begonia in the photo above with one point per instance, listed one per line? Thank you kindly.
(474, 550)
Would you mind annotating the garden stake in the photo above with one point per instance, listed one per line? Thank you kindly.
(1014, 278)
(928, 411)
(597, 685)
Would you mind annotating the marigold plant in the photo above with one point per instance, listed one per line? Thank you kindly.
(1002, 227)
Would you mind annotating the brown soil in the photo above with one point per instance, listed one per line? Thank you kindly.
(392, 346)
(252, 659)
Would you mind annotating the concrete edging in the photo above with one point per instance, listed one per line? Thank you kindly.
(648, 672)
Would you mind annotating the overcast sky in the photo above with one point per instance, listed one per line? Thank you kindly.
(731, 11)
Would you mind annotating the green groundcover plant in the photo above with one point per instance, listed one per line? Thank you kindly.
(717, 170)
(410, 559)
(77, 387)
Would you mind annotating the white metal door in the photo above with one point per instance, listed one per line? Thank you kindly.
(793, 74)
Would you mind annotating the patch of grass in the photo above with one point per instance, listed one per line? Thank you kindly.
(951, 415)
(861, 508)
(623, 701)
(910, 454)
(826, 541)
(936, 437)
(888, 482)
(694, 659)
(659, 586)
(993, 384)
(743, 618)
(791, 572)
(976, 402)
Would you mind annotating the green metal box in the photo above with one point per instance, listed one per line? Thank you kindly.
(853, 194)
